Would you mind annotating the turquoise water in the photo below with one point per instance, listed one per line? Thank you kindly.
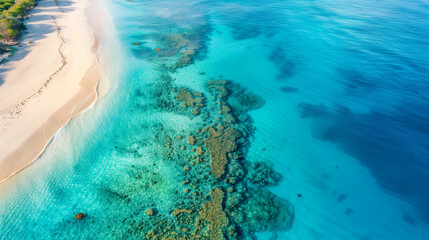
(344, 121)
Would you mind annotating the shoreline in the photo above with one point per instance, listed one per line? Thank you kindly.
(48, 98)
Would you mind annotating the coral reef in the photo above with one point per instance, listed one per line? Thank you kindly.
(187, 97)
(213, 197)
(191, 43)
(265, 211)
(220, 143)
(191, 140)
(263, 175)
(242, 101)
(212, 212)
(190, 99)
(178, 48)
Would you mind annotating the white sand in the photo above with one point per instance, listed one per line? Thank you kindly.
(52, 77)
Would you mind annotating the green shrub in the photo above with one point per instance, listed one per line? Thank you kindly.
(6, 4)
(12, 13)
(12, 33)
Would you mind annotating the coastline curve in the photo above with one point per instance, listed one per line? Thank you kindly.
(37, 142)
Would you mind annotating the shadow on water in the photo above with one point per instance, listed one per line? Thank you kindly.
(392, 145)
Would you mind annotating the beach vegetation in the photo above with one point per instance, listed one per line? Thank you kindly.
(12, 13)
(6, 4)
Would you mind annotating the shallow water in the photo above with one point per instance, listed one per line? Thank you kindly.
(345, 86)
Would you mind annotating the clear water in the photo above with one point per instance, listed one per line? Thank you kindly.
(345, 120)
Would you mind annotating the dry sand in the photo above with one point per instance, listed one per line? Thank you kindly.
(50, 79)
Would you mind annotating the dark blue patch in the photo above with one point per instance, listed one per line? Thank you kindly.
(285, 65)
(246, 32)
(348, 211)
(356, 81)
(289, 89)
(251, 24)
(409, 219)
(393, 146)
(342, 197)
(312, 110)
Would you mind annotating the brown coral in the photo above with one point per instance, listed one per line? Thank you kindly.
(190, 99)
(225, 109)
(220, 143)
(199, 151)
(178, 211)
(186, 96)
(195, 111)
(213, 213)
(216, 82)
(191, 140)
(219, 86)
(223, 92)
(149, 212)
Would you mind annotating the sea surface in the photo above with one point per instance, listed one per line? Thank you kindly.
(334, 98)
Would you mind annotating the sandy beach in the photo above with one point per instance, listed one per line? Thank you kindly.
(52, 77)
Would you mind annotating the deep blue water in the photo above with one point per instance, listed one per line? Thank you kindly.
(386, 71)
(345, 120)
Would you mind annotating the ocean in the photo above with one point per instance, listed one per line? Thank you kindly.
(242, 120)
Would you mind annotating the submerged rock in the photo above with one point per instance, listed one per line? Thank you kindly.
(79, 216)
